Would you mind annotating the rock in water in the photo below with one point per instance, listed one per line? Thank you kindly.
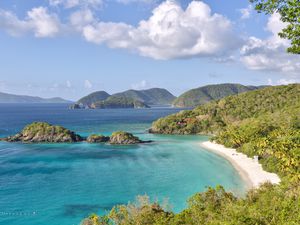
(39, 132)
(124, 138)
(94, 138)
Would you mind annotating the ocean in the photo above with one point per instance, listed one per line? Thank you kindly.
(60, 184)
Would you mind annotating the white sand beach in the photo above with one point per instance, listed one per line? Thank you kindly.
(250, 170)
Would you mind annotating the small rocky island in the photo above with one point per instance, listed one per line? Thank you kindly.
(124, 138)
(95, 138)
(41, 132)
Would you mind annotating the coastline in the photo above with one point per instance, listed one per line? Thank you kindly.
(249, 169)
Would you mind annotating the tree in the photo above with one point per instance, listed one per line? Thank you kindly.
(289, 11)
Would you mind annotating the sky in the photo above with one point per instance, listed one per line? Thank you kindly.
(70, 48)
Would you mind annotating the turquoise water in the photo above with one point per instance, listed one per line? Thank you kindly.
(59, 184)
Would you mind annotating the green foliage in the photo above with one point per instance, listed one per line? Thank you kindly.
(153, 96)
(45, 132)
(43, 128)
(215, 116)
(93, 97)
(126, 99)
(289, 11)
(97, 138)
(119, 102)
(262, 122)
(122, 137)
(202, 95)
(141, 212)
(267, 205)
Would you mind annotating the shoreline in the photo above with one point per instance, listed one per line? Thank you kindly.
(249, 169)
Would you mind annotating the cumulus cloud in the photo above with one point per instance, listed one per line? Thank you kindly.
(246, 12)
(81, 18)
(171, 32)
(270, 54)
(38, 20)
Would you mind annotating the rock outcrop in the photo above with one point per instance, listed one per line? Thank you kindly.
(94, 138)
(39, 132)
(124, 138)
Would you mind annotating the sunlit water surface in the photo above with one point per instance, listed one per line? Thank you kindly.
(59, 184)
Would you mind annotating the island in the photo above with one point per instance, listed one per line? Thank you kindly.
(126, 99)
(97, 138)
(39, 132)
(124, 138)
(42, 132)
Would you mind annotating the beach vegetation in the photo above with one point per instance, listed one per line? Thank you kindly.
(264, 123)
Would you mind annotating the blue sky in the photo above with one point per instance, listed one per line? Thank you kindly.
(70, 48)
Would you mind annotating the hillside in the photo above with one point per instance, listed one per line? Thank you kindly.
(126, 99)
(153, 96)
(214, 116)
(93, 97)
(115, 101)
(11, 98)
(202, 95)
(265, 123)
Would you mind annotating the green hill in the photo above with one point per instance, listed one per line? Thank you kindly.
(202, 95)
(214, 116)
(93, 97)
(153, 96)
(118, 101)
(263, 122)
(11, 98)
(126, 99)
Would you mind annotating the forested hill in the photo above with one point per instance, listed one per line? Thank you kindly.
(126, 99)
(265, 123)
(202, 95)
(216, 115)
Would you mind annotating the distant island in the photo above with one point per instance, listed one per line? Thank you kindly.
(42, 132)
(159, 96)
(202, 95)
(127, 99)
(11, 98)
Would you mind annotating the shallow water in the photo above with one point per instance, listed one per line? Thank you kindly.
(59, 184)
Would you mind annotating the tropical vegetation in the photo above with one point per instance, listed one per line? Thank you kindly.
(263, 122)
(202, 95)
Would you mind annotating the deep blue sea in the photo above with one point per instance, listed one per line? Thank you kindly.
(60, 184)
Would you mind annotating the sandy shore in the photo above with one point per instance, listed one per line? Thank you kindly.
(250, 170)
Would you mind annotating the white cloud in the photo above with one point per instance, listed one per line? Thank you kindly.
(171, 32)
(88, 84)
(75, 3)
(38, 21)
(81, 18)
(270, 54)
(44, 24)
(141, 85)
(246, 12)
